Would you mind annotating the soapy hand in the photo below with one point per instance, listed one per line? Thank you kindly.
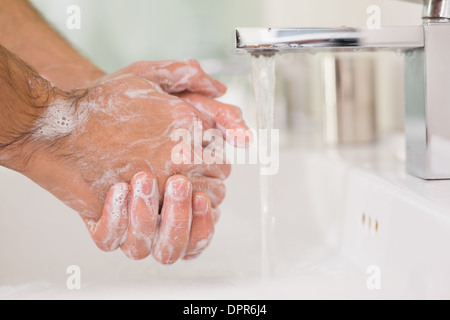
(123, 126)
(195, 229)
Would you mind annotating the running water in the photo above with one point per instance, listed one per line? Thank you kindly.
(263, 72)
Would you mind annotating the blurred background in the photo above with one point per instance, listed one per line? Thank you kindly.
(366, 89)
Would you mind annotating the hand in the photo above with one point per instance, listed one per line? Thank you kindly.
(193, 231)
(107, 138)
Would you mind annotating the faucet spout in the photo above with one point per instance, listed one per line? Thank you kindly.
(344, 38)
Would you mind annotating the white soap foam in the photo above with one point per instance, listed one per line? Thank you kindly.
(60, 119)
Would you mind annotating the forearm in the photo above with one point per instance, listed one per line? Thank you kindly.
(24, 32)
(24, 96)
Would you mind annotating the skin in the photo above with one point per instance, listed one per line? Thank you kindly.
(113, 166)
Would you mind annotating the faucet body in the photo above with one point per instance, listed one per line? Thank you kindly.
(427, 74)
(427, 105)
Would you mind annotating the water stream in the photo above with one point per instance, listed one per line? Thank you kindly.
(263, 73)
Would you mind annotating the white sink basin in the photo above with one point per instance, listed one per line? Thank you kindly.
(324, 248)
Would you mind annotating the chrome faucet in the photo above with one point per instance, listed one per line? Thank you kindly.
(427, 74)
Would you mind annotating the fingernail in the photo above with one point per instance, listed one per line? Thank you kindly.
(179, 189)
(144, 185)
(148, 187)
(200, 205)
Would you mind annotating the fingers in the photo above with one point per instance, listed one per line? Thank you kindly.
(202, 230)
(131, 215)
(187, 75)
(109, 231)
(228, 118)
(144, 216)
(176, 220)
(178, 76)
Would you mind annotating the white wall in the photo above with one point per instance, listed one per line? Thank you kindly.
(329, 13)
(115, 33)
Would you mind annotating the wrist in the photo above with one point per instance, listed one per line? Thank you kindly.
(17, 138)
(24, 97)
(53, 151)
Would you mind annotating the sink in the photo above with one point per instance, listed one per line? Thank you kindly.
(344, 216)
